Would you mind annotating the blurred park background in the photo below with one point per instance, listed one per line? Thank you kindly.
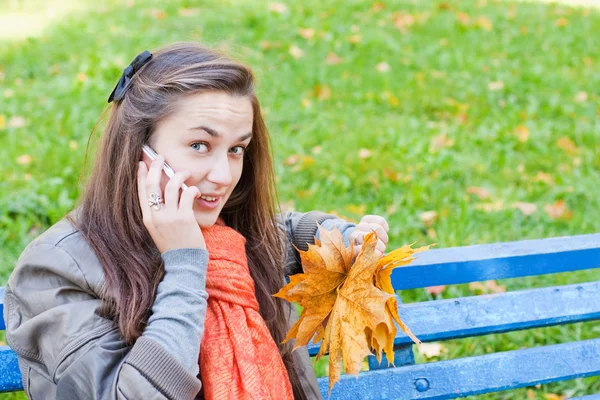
(461, 122)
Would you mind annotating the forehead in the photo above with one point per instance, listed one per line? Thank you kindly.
(225, 113)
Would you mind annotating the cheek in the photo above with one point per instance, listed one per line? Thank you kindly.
(236, 173)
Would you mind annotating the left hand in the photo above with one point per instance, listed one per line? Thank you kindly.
(367, 224)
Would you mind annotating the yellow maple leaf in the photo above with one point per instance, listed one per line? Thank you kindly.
(385, 334)
(348, 303)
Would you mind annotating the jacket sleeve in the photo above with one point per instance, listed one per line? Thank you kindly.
(300, 230)
(52, 321)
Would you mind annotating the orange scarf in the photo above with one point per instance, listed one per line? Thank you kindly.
(238, 356)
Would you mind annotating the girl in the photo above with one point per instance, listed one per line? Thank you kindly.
(161, 288)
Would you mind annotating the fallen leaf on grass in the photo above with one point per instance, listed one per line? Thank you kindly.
(490, 206)
(296, 51)
(430, 350)
(333, 59)
(364, 153)
(440, 141)
(278, 8)
(552, 396)
(188, 12)
(354, 209)
(347, 302)
(383, 67)
(486, 287)
(428, 217)
(581, 97)
(403, 20)
(24, 159)
(158, 14)
(377, 6)
(525, 208)
(495, 86)
(354, 39)
(560, 22)
(544, 177)
(291, 160)
(16, 122)
(435, 290)
(307, 33)
(480, 192)
(567, 145)
(484, 23)
(558, 210)
(522, 133)
(322, 92)
(463, 18)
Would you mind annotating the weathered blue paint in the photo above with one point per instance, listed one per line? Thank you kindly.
(2, 326)
(472, 375)
(499, 260)
(403, 355)
(10, 376)
(502, 312)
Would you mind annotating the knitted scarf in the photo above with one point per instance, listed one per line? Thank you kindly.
(238, 356)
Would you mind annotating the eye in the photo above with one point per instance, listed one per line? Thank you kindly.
(240, 150)
(199, 146)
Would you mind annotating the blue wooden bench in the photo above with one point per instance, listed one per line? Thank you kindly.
(471, 316)
(486, 314)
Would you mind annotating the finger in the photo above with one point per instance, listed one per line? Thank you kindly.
(376, 219)
(357, 236)
(380, 231)
(153, 178)
(357, 250)
(142, 194)
(380, 246)
(187, 198)
(172, 190)
(364, 228)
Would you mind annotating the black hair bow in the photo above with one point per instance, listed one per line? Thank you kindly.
(138, 62)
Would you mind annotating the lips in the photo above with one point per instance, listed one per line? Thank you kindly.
(209, 204)
(209, 198)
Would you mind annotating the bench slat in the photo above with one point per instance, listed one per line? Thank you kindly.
(502, 312)
(2, 325)
(10, 376)
(499, 260)
(473, 375)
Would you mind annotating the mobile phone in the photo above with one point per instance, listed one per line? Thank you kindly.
(168, 170)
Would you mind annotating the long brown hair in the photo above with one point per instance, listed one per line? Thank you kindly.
(110, 216)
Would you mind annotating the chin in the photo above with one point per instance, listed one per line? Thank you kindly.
(206, 220)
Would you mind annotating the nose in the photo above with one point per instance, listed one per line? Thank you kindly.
(220, 171)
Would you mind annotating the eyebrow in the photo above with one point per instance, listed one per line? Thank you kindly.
(216, 134)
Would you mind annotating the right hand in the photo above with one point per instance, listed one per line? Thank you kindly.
(174, 225)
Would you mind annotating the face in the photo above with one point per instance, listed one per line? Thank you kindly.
(206, 136)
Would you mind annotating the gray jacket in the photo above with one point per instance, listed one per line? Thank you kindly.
(66, 350)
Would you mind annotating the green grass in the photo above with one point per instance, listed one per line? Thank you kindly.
(437, 123)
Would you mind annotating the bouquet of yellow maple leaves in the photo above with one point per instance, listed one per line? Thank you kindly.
(348, 302)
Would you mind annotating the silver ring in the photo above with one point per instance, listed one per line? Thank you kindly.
(155, 200)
